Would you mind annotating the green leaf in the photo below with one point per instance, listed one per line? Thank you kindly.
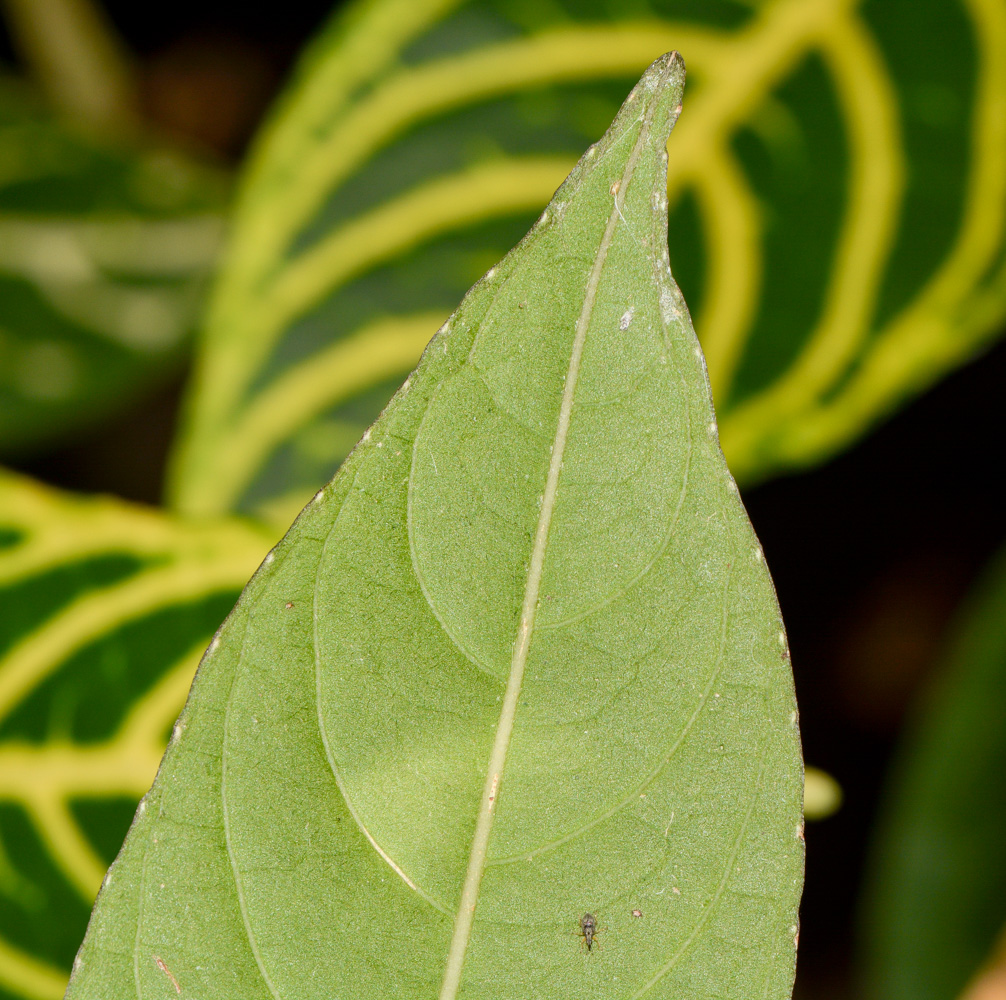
(838, 205)
(937, 895)
(104, 254)
(71, 49)
(106, 608)
(520, 661)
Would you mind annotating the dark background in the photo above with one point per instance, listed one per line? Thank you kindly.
(871, 554)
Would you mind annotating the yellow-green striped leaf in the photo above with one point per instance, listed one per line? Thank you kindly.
(837, 190)
(105, 249)
(106, 609)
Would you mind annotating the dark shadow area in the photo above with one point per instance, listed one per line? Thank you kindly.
(871, 556)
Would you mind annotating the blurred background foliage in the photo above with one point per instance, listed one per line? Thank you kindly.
(837, 193)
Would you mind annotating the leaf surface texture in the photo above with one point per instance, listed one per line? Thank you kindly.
(521, 660)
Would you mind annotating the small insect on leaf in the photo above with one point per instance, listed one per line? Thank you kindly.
(588, 928)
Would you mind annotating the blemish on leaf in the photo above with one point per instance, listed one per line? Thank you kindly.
(159, 962)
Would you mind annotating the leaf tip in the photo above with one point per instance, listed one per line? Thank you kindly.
(664, 79)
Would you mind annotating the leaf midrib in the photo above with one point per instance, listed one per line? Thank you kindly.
(497, 759)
